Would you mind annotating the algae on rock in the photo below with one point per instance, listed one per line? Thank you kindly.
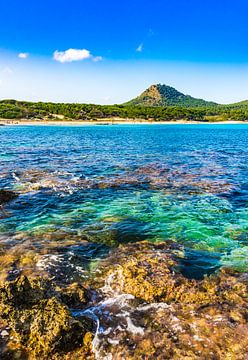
(40, 322)
(180, 318)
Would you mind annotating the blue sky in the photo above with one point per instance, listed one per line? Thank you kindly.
(120, 48)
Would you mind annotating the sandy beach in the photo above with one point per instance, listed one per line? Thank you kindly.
(114, 121)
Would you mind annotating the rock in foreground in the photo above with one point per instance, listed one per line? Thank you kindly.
(39, 322)
(170, 316)
(142, 307)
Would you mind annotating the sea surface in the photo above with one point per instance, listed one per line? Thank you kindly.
(83, 190)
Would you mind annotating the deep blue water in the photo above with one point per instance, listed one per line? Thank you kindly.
(92, 187)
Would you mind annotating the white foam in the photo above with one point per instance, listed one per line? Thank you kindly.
(138, 330)
(153, 306)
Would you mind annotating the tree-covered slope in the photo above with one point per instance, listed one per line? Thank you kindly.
(12, 109)
(164, 95)
(240, 104)
(159, 102)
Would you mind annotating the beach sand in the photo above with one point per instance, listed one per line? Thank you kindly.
(114, 121)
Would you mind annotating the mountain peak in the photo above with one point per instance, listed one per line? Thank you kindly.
(164, 95)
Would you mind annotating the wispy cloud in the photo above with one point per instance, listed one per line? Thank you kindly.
(23, 55)
(97, 58)
(140, 48)
(75, 55)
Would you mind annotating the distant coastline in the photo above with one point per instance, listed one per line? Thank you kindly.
(111, 121)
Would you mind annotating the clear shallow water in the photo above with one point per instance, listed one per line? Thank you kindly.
(84, 190)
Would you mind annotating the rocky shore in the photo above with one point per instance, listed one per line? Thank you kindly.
(138, 305)
(108, 252)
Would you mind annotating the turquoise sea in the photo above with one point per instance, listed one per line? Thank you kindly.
(83, 190)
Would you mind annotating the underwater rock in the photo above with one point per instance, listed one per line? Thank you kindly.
(173, 179)
(33, 180)
(119, 232)
(6, 196)
(39, 319)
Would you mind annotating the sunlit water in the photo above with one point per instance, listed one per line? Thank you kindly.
(84, 190)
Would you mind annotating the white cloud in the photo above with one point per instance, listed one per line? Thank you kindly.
(140, 48)
(97, 58)
(71, 55)
(23, 55)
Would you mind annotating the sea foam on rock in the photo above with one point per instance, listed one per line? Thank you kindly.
(180, 318)
(137, 306)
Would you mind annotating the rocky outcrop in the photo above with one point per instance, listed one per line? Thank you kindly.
(175, 317)
(39, 321)
(140, 306)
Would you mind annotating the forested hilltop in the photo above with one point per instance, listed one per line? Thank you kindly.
(164, 95)
(159, 102)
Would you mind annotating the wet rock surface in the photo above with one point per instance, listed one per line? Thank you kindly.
(39, 321)
(138, 305)
(154, 312)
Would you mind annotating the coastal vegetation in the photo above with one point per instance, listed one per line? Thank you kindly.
(164, 95)
(158, 103)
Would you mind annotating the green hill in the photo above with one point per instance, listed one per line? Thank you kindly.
(240, 104)
(158, 102)
(164, 95)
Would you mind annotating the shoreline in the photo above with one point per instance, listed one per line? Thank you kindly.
(25, 122)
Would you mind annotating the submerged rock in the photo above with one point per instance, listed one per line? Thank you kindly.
(39, 319)
(172, 179)
(6, 196)
(119, 232)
